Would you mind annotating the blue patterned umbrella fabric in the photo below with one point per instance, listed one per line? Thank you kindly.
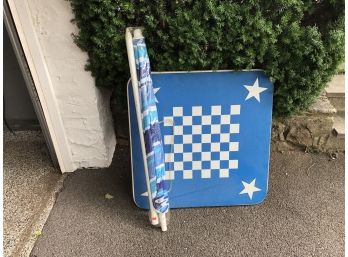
(151, 127)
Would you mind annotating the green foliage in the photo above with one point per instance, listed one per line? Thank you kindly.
(299, 44)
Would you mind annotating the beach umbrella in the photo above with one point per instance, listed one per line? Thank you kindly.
(149, 127)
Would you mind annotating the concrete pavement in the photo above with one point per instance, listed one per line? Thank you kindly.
(302, 216)
(31, 185)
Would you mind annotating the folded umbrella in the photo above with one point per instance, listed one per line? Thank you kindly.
(152, 145)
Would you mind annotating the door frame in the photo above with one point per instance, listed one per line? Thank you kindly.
(33, 65)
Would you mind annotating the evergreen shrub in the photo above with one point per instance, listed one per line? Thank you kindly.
(299, 44)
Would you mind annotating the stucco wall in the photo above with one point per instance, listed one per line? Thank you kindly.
(84, 109)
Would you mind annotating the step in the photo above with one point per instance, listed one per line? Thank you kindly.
(335, 87)
(338, 126)
(335, 91)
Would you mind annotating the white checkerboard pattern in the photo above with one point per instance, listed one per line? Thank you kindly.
(202, 143)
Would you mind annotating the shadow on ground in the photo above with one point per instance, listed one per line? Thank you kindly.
(302, 216)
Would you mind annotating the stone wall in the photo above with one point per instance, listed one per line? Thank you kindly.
(312, 130)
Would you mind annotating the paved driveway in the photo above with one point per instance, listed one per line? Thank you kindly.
(302, 216)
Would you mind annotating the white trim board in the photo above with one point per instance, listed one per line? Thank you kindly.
(37, 64)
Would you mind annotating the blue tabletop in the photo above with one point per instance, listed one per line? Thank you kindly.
(216, 132)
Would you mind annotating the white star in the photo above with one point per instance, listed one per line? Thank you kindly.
(254, 90)
(145, 194)
(250, 188)
(155, 90)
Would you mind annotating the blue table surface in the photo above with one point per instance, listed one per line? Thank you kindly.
(216, 131)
